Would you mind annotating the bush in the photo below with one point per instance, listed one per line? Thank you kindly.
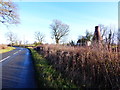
(47, 76)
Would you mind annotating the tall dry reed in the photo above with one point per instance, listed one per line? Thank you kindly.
(97, 66)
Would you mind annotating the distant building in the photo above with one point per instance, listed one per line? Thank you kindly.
(97, 35)
(88, 43)
(97, 38)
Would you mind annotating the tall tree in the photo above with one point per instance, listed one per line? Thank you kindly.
(8, 12)
(103, 30)
(88, 36)
(109, 34)
(59, 30)
(39, 36)
(71, 43)
(82, 40)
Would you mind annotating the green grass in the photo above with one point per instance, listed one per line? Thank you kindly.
(47, 76)
(7, 49)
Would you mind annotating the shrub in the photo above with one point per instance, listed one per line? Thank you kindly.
(47, 76)
(88, 67)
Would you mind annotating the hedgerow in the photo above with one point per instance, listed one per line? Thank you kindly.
(87, 67)
(47, 76)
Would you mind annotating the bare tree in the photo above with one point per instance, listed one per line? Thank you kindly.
(59, 30)
(108, 33)
(39, 36)
(8, 12)
(118, 36)
(11, 37)
(103, 30)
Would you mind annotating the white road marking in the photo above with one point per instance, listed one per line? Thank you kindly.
(15, 52)
(9, 56)
(19, 50)
(4, 59)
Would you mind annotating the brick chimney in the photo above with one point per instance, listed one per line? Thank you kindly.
(97, 35)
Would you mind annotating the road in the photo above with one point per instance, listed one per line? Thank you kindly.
(17, 69)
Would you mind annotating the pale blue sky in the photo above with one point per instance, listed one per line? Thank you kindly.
(37, 16)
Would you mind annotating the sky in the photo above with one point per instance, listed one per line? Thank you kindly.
(80, 16)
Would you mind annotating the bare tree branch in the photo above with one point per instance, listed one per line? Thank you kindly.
(8, 12)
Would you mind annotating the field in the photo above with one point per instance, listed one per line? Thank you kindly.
(4, 48)
(86, 67)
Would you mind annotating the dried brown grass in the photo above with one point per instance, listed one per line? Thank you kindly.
(97, 66)
(3, 46)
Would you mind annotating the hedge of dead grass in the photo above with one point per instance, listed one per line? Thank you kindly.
(86, 67)
(47, 76)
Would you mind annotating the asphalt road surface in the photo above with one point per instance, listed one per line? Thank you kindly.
(17, 69)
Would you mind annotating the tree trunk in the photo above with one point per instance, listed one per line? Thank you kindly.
(57, 41)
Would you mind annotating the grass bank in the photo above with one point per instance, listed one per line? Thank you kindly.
(6, 49)
(47, 76)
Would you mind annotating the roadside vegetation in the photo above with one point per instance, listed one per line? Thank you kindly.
(82, 64)
(85, 66)
(4, 48)
(47, 76)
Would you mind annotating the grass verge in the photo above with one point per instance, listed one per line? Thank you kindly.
(7, 49)
(47, 76)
